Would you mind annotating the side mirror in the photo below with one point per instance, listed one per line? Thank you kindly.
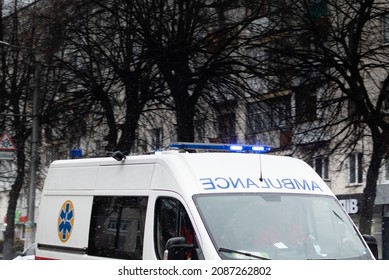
(19, 253)
(177, 249)
(372, 243)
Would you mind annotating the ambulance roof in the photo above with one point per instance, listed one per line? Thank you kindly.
(237, 172)
(190, 173)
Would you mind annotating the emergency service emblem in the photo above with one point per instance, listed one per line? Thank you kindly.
(65, 221)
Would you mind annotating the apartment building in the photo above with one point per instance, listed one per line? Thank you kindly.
(288, 120)
(293, 121)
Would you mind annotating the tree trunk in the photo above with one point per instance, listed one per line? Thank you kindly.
(127, 138)
(370, 190)
(185, 118)
(9, 234)
(105, 102)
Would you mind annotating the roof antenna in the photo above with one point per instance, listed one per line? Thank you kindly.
(260, 168)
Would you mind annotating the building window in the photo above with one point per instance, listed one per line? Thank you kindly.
(117, 227)
(286, 138)
(385, 28)
(386, 170)
(200, 131)
(321, 167)
(385, 90)
(268, 115)
(226, 128)
(356, 168)
(305, 107)
(156, 138)
(257, 119)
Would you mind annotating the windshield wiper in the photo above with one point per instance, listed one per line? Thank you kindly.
(247, 254)
(337, 215)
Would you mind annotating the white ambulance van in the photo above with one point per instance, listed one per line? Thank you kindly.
(193, 205)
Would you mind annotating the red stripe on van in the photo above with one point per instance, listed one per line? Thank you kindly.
(43, 258)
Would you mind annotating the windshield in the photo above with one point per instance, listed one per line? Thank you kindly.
(279, 226)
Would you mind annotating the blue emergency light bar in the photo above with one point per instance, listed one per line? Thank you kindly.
(220, 147)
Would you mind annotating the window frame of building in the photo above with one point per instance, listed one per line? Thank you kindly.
(226, 131)
(386, 170)
(386, 90)
(306, 107)
(117, 227)
(321, 166)
(200, 131)
(356, 169)
(317, 9)
(156, 138)
(271, 114)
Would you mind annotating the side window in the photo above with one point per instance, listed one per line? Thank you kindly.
(117, 227)
(171, 220)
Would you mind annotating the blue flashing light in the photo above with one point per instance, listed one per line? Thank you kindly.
(220, 147)
(259, 148)
(76, 153)
(236, 148)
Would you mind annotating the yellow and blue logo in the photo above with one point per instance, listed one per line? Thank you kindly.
(65, 221)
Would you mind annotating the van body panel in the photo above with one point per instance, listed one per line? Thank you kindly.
(226, 172)
(99, 174)
(57, 209)
(83, 179)
(124, 177)
(188, 181)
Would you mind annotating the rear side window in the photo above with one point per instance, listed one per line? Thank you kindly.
(117, 227)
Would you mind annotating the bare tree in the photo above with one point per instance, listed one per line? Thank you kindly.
(197, 46)
(122, 55)
(106, 72)
(16, 89)
(28, 40)
(334, 50)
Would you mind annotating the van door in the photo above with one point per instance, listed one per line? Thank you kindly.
(171, 220)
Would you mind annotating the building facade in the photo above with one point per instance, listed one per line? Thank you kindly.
(288, 120)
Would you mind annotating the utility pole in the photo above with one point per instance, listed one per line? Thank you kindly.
(30, 224)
